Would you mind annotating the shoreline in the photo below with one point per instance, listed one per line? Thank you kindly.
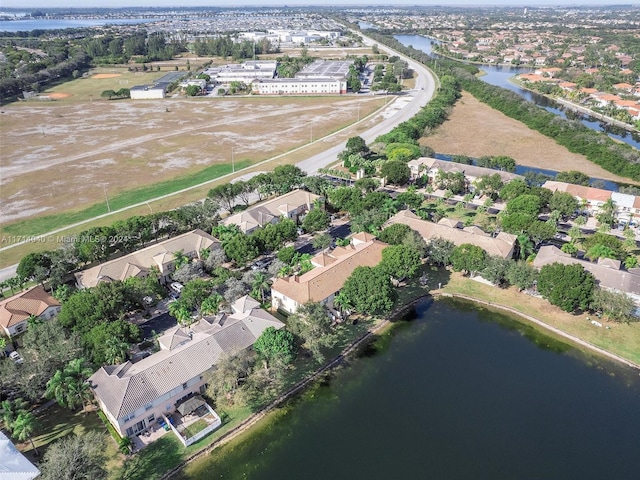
(536, 321)
(392, 317)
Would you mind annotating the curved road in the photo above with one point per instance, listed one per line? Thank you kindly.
(400, 109)
(410, 104)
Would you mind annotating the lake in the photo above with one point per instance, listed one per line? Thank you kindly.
(457, 392)
(499, 75)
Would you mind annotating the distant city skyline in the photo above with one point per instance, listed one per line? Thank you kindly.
(20, 4)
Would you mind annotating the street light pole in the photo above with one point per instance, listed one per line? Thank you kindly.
(106, 197)
(233, 165)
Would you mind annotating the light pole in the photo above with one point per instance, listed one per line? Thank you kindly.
(233, 165)
(311, 134)
(106, 197)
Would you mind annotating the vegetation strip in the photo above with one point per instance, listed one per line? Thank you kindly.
(539, 322)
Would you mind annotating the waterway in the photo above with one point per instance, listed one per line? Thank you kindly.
(500, 75)
(456, 392)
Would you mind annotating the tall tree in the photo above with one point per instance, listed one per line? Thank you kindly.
(468, 258)
(569, 287)
(69, 387)
(311, 322)
(23, 428)
(368, 290)
(275, 347)
(400, 261)
(10, 411)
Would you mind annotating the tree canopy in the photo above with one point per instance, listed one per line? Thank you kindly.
(368, 290)
(275, 346)
(569, 287)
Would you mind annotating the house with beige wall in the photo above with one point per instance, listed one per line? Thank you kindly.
(331, 270)
(291, 205)
(161, 255)
(502, 245)
(16, 310)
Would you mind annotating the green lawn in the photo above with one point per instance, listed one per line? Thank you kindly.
(57, 422)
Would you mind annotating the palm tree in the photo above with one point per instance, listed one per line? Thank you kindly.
(11, 411)
(180, 312)
(211, 304)
(259, 285)
(526, 246)
(116, 350)
(180, 259)
(69, 386)
(23, 428)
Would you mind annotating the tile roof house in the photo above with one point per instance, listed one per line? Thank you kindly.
(134, 395)
(606, 271)
(501, 245)
(431, 166)
(16, 310)
(139, 263)
(290, 205)
(627, 205)
(331, 271)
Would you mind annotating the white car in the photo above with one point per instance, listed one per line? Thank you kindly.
(176, 287)
(15, 356)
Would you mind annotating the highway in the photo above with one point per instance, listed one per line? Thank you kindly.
(399, 109)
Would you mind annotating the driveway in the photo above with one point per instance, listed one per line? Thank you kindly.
(157, 324)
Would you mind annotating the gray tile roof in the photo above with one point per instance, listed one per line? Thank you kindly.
(125, 388)
(608, 274)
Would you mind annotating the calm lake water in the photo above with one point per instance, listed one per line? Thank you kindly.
(456, 393)
(500, 75)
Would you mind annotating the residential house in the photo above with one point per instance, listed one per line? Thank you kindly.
(330, 272)
(502, 245)
(291, 205)
(15, 311)
(606, 271)
(591, 199)
(134, 396)
(13, 464)
(431, 167)
(161, 256)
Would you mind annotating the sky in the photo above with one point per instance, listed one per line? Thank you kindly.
(219, 3)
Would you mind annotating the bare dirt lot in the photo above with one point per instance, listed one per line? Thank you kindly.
(475, 129)
(56, 156)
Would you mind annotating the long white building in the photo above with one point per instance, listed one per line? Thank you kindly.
(300, 86)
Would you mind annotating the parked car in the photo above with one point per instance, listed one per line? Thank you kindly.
(176, 287)
(16, 357)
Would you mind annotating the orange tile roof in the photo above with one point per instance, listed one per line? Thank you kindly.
(18, 308)
(321, 282)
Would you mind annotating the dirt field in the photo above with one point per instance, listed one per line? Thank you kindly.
(57, 156)
(106, 75)
(475, 129)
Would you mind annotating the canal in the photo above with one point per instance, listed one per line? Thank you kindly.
(454, 392)
(500, 75)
